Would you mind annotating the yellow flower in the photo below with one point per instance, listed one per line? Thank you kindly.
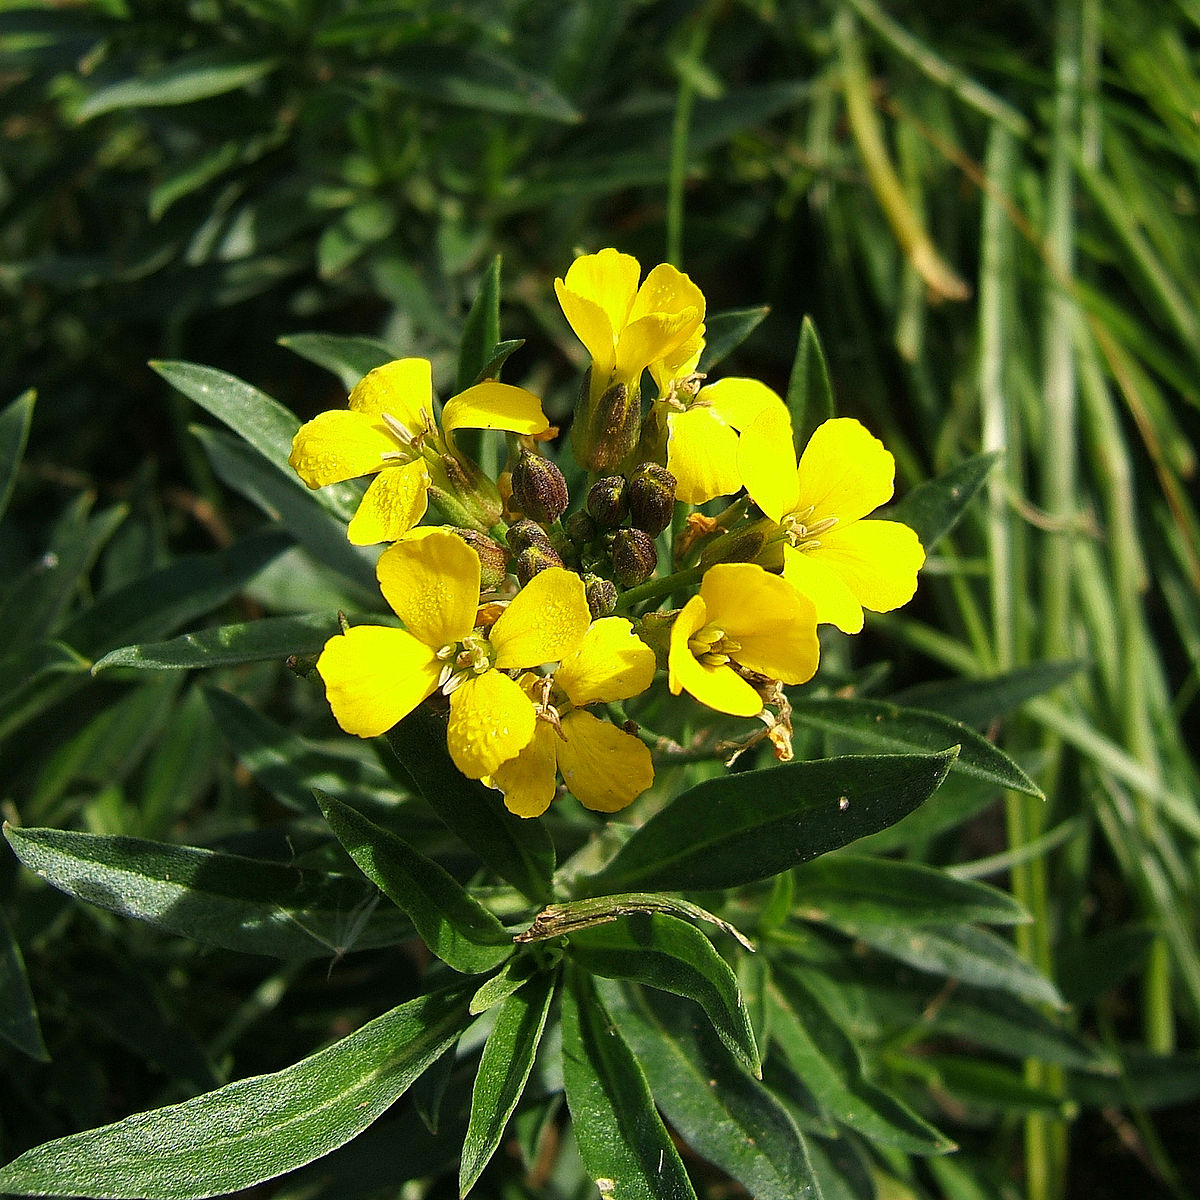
(745, 616)
(604, 767)
(374, 675)
(841, 562)
(625, 327)
(388, 431)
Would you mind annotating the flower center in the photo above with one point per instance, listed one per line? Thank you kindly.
(463, 660)
(712, 647)
(682, 392)
(802, 536)
(411, 443)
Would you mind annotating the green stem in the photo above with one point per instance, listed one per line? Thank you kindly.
(677, 168)
(656, 589)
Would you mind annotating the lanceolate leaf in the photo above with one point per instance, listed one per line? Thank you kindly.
(723, 1114)
(934, 507)
(253, 1129)
(18, 1015)
(666, 953)
(452, 923)
(621, 1138)
(725, 331)
(979, 701)
(503, 1072)
(739, 828)
(349, 358)
(482, 330)
(887, 727)
(14, 433)
(810, 393)
(519, 851)
(245, 904)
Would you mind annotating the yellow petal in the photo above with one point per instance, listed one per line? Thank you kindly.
(403, 388)
(492, 405)
(375, 676)
(718, 687)
(604, 767)
(775, 625)
(339, 445)
(739, 401)
(702, 455)
(845, 472)
(678, 363)
(835, 603)
(611, 663)
(592, 327)
(652, 337)
(666, 289)
(491, 721)
(392, 505)
(545, 621)
(767, 462)
(608, 279)
(530, 780)
(878, 560)
(432, 584)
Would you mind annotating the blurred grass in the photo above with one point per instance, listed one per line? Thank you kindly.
(991, 216)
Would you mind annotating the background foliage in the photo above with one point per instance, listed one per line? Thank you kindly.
(991, 219)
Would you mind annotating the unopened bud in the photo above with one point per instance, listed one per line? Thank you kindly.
(523, 534)
(580, 528)
(739, 545)
(538, 488)
(493, 557)
(633, 557)
(608, 501)
(534, 559)
(601, 596)
(605, 429)
(651, 498)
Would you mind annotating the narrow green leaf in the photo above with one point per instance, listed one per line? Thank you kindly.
(349, 358)
(825, 1058)
(739, 828)
(977, 1083)
(244, 904)
(513, 974)
(934, 507)
(810, 392)
(15, 421)
(517, 850)
(451, 922)
(664, 952)
(722, 1114)
(162, 600)
(855, 887)
(888, 727)
(981, 701)
(497, 358)
(503, 1072)
(725, 331)
(482, 330)
(252, 641)
(621, 1138)
(193, 77)
(254, 1129)
(18, 1014)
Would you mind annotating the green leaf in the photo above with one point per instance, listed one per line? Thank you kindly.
(244, 904)
(349, 358)
(503, 1072)
(482, 330)
(162, 600)
(826, 1060)
(934, 507)
(736, 829)
(980, 701)
(722, 1114)
(451, 922)
(498, 357)
(18, 1014)
(251, 641)
(518, 850)
(664, 952)
(472, 79)
(621, 1138)
(513, 974)
(193, 77)
(850, 887)
(977, 1083)
(254, 1129)
(888, 727)
(15, 421)
(810, 392)
(725, 331)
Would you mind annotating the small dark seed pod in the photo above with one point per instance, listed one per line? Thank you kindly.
(580, 528)
(651, 498)
(534, 559)
(538, 488)
(523, 534)
(634, 557)
(601, 596)
(608, 501)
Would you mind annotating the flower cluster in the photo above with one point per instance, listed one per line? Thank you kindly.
(535, 623)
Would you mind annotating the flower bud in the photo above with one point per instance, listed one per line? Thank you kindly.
(580, 528)
(651, 498)
(523, 534)
(739, 545)
(493, 557)
(533, 559)
(605, 429)
(634, 557)
(601, 596)
(608, 501)
(538, 488)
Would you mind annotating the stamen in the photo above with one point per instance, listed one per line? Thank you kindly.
(402, 432)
